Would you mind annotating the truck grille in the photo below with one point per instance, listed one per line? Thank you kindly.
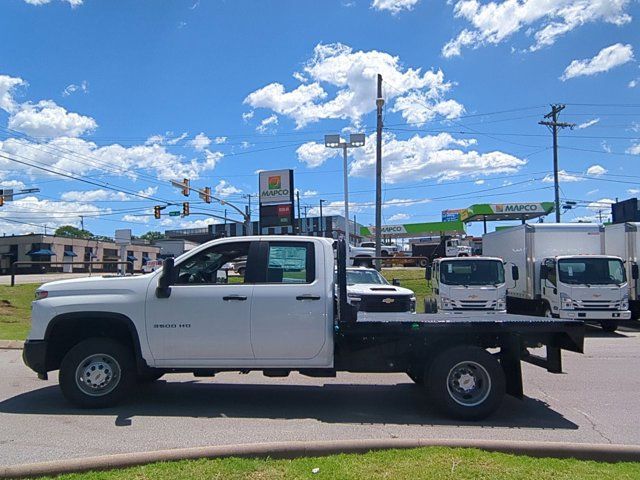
(474, 305)
(382, 303)
(601, 305)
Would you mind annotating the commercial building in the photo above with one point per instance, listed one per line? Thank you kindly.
(58, 251)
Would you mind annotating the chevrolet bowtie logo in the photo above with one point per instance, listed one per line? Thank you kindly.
(388, 300)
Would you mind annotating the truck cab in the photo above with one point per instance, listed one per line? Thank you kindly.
(369, 291)
(585, 287)
(454, 247)
(463, 284)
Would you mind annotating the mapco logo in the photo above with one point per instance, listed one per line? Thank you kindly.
(388, 300)
(275, 182)
(516, 207)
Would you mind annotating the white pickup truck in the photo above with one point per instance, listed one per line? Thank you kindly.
(106, 334)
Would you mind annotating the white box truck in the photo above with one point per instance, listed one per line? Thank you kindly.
(463, 284)
(623, 240)
(562, 272)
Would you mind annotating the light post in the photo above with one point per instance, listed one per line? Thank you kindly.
(334, 141)
(321, 219)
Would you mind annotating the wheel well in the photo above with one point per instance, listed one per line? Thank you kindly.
(66, 331)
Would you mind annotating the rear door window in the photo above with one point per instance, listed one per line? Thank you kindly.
(290, 262)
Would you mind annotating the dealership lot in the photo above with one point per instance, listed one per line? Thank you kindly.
(596, 401)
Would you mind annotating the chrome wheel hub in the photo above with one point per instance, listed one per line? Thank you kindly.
(98, 375)
(468, 383)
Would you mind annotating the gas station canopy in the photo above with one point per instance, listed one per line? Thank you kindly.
(416, 229)
(490, 212)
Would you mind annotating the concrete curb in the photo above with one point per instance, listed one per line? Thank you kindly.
(11, 344)
(597, 452)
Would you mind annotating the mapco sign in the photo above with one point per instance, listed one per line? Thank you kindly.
(518, 208)
(390, 229)
(276, 186)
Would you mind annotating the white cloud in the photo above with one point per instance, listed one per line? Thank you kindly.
(47, 119)
(404, 202)
(563, 176)
(136, 218)
(13, 184)
(352, 76)
(93, 195)
(634, 149)
(398, 217)
(169, 138)
(633, 191)
(596, 170)
(72, 88)
(593, 192)
(224, 189)
(79, 156)
(315, 154)
(336, 208)
(633, 83)
(605, 146)
(431, 156)
(200, 142)
(545, 20)
(588, 124)
(37, 212)
(220, 140)
(7, 87)
(268, 124)
(72, 3)
(393, 6)
(246, 116)
(309, 193)
(602, 204)
(479, 182)
(606, 59)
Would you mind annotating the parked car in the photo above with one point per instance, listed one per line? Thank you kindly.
(369, 291)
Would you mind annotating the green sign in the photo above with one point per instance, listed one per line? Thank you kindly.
(174, 214)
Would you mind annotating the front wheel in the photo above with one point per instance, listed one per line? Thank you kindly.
(466, 382)
(609, 326)
(97, 373)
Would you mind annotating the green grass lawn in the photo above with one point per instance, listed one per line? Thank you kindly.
(15, 310)
(423, 463)
(412, 279)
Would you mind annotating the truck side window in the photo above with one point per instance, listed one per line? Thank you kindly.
(551, 269)
(290, 262)
(211, 265)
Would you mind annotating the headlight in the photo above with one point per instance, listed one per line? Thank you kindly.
(565, 302)
(412, 304)
(501, 304)
(446, 303)
(354, 296)
(624, 304)
(40, 294)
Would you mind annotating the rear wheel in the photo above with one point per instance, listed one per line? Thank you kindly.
(466, 382)
(423, 262)
(97, 373)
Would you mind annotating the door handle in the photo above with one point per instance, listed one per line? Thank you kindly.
(240, 298)
(308, 297)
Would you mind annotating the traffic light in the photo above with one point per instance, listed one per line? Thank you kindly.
(1, 200)
(156, 211)
(206, 194)
(185, 209)
(185, 187)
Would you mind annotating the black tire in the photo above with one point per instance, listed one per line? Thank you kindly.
(97, 355)
(422, 262)
(416, 377)
(471, 364)
(428, 306)
(609, 326)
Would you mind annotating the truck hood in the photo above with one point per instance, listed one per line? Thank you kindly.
(377, 289)
(474, 292)
(96, 285)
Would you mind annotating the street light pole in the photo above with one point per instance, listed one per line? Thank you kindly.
(321, 219)
(334, 141)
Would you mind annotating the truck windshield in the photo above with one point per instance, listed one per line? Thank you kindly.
(471, 272)
(591, 271)
(355, 277)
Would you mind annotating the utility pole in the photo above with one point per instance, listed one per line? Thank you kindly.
(82, 222)
(321, 219)
(379, 105)
(299, 217)
(554, 125)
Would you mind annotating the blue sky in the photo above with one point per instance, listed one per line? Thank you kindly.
(124, 96)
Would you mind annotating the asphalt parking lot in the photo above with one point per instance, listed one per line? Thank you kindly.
(595, 401)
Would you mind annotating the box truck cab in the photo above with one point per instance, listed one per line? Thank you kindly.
(465, 284)
(562, 273)
(623, 240)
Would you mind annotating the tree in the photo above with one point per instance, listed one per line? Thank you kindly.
(152, 236)
(72, 232)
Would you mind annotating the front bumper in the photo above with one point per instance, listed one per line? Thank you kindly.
(34, 356)
(595, 314)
